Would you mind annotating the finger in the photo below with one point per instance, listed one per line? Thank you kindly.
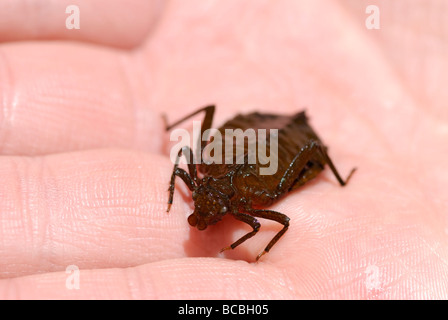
(68, 96)
(169, 279)
(114, 23)
(96, 209)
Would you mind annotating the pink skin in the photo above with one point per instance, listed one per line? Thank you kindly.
(85, 166)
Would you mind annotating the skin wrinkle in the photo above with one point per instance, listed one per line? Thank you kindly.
(44, 222)
(149, 283)
(409, 274)
(132, 281)
(35, 223)
(9, 102)
(99, 23)
(433, 251)
(126, 65)
(353, 269)
(407, 269)
(25, 202)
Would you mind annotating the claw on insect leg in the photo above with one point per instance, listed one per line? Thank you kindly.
(225, 249)
(350, 175)
(260, 255)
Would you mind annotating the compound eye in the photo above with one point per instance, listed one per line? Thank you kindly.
(192, 220)
(224, 210)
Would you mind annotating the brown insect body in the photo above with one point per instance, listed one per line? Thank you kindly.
(238, 188)
(293, 134)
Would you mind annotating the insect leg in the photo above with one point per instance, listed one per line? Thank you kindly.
(253, 222)
(300, 161)
(206, 123)
(323, 152)
(189, 179)
(296, 165)
(271, 215)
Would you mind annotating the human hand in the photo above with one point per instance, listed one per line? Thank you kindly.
(85, 166)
